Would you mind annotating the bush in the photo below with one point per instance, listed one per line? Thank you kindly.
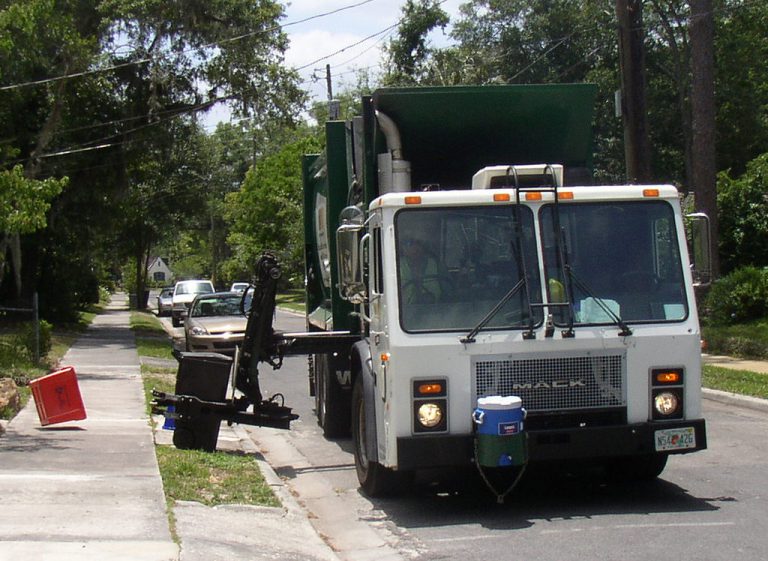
(739, 297)
(25, 339)
(742, 210)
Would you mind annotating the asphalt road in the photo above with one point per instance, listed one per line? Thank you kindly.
(711, 505)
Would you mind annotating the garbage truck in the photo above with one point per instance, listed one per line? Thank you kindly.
(459, 255)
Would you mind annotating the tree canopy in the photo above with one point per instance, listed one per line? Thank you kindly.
(104, 97)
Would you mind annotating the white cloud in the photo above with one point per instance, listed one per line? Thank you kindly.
(322, 36)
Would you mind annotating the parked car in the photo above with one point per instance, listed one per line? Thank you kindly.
(165, 301)
(183, 294)
(216, 322)
(239, 286)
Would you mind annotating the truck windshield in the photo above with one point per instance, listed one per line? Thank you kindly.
(455, 264)
(623, 256)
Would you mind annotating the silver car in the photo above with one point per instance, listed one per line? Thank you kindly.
(165, 301)
(216, 323)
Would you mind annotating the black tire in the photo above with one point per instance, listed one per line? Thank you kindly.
(175, 321)
(638, 468)
(375, 480)
(183, 438)
(331, 402)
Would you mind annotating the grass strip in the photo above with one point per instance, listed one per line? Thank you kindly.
(213, 478)
(151, 338)
(742, 382)
(291, 300)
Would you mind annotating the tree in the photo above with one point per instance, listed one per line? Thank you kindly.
(409, 52)
(743, 204)
(703, 153)
(232, 46)
(24, 204)
(629, 14)
(266, 214)
(31, 115)
(114, 130)
(523, 41)
(741, 49)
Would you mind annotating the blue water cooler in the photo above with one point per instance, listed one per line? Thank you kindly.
(499, 431)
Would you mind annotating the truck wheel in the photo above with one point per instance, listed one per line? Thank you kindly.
(331, 404)
(375, 479)
(183, 438)
(639, 468)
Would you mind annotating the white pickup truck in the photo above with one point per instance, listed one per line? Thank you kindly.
(183, 294)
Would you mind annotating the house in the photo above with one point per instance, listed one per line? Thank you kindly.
(159, 271)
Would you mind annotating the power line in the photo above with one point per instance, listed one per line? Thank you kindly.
(84, 147)
(195, 49)
(363, 40)
(381, 32)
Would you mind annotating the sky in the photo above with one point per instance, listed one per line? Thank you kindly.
(323, 36)
(346, 30)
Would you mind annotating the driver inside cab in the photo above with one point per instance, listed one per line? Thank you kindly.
(419, 273)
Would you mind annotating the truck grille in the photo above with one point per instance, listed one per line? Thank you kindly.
(555, 383)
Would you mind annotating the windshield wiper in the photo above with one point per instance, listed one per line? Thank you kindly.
(470, 337)
(625, 330)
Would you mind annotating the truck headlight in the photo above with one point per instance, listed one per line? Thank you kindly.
(666, 403)
(667, 393)
(430, 405)
(430, 415)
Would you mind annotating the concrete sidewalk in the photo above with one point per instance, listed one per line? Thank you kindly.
(91, 490)
(87, 489)
(759, 366)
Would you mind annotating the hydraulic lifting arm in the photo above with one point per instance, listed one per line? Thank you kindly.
(196, 411)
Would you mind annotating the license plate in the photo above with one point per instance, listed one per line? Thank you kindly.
(675, 439)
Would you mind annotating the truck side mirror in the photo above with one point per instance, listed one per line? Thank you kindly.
(701, 248)
(349, 255)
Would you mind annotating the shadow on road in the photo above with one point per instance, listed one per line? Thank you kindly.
(552, 495)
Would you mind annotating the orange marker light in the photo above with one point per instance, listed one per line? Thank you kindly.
(650, 192)
(668, 377)
(501, 197)
(533, 196)
(565, 195)
(428, 389)
(413, 200)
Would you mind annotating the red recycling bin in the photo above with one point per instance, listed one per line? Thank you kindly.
(57, 397)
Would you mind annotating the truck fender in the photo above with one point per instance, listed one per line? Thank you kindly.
(361, 366)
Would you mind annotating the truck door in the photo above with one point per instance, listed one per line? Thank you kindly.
(379, 339)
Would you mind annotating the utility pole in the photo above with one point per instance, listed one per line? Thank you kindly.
(703, 166)
(333, 105)
(637, 152)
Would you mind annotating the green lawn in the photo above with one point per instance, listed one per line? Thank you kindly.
(151, 338)
(213, 478)
(735, 381)
(291, 300)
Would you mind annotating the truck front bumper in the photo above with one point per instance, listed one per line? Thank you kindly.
(582, 443)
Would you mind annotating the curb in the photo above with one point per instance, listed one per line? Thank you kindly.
(728, 398)
(270, 476)
(281, 490)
